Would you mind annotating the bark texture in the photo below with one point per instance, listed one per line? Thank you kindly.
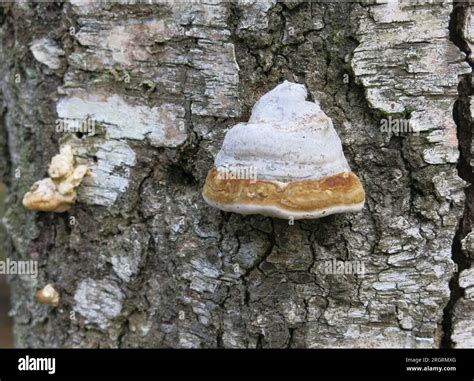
(142, 261)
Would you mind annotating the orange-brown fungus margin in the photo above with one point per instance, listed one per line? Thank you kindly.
(343, 189)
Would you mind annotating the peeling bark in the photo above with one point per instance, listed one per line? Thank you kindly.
(145, 262)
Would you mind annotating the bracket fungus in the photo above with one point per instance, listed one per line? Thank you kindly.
(57, 192)
(48, 295)
(292, 148)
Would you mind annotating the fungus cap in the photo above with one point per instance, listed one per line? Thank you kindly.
(287, 161)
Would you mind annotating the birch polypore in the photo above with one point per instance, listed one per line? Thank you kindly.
(299, 168)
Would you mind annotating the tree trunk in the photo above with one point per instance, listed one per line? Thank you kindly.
(142, 261)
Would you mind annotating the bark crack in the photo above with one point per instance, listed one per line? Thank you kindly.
(464, 134)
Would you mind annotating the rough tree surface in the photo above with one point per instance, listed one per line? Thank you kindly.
(142, 261)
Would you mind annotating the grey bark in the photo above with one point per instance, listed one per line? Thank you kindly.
(146, 263)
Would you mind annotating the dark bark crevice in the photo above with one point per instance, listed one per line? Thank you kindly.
(462, 118)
